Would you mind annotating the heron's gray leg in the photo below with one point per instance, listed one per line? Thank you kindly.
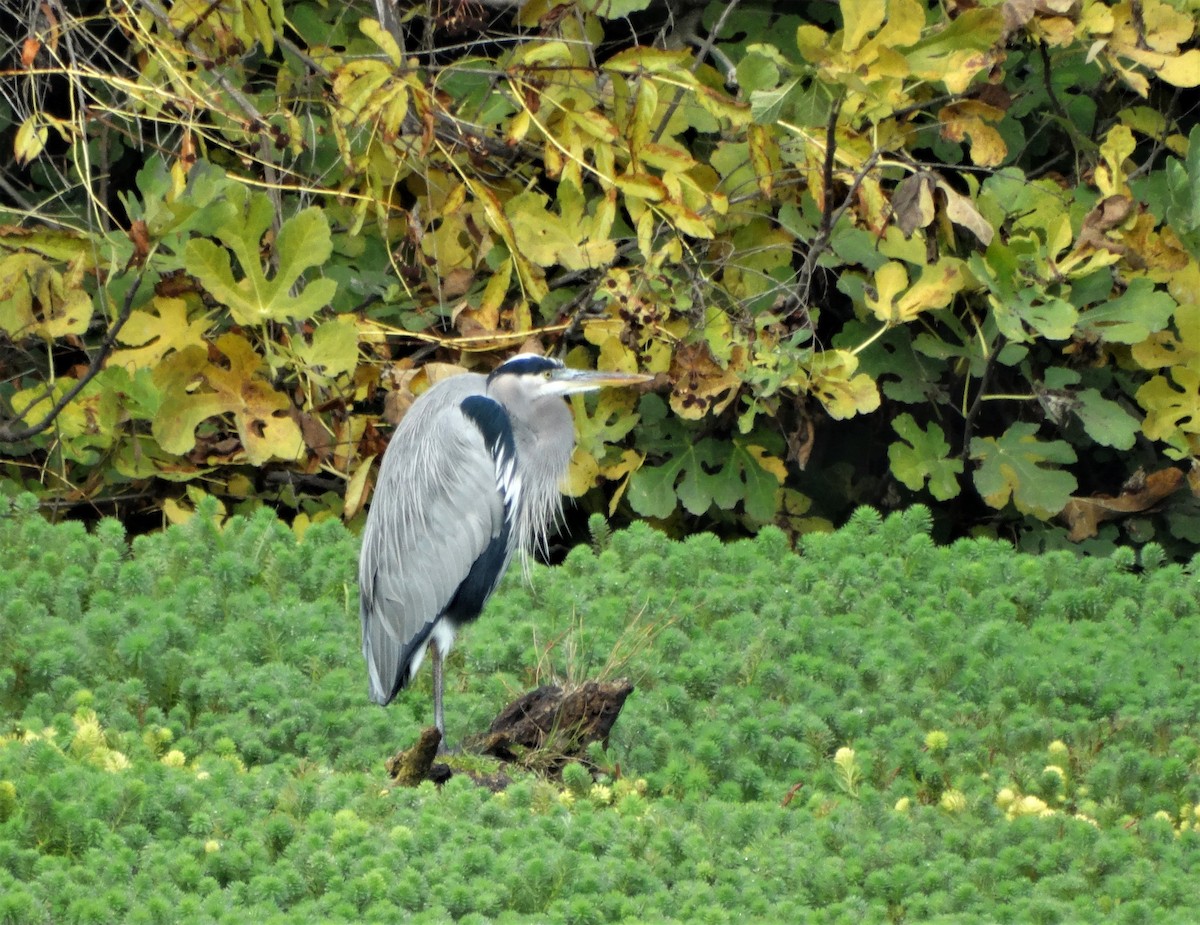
(439, 719)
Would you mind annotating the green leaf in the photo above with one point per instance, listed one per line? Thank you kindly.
(1016, 466)
(616, 9)
(757, 72)
(1183, 191)
(700, 473)
(923, 457)
(745, 478)
(334, 348)
(766, 106)
(1105, 421)
(303, 242)
(1132, 317)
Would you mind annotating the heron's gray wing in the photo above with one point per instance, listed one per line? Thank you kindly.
(436, 511)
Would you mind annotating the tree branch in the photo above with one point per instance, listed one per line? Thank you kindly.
(701, 53)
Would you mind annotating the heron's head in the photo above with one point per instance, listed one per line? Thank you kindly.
(541, 377)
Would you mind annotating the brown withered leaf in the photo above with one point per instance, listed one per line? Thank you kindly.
(371, 443)
(800, 442)
(139, 234)
(474, 322)
(29, 51)
(1108, 214)
(961, 211)
(316, 435)
(912, 203)
(1084, 515)
(1017, 14)
(457, 282)
(701, 384)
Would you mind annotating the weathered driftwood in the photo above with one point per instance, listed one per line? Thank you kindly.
(561, 722)
(544, 729)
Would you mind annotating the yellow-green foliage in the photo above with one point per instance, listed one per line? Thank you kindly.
(872, 249)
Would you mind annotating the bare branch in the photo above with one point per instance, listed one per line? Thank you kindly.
(703, 52)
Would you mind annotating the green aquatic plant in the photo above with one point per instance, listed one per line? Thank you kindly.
(873, 726)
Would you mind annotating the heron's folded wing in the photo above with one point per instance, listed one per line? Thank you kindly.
(436, 510)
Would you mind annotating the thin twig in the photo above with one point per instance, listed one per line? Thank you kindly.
(984, 380)
(830, 216)
(702, 53)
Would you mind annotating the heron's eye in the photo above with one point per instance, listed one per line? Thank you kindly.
(546, 375)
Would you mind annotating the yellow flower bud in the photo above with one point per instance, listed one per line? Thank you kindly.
(954, 801)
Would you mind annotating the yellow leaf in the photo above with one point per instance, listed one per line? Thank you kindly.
(653, 60)
(905, 22)
(939, 283)
(30, 140)
(630, 462)
(616, 356)
(761, 142)
(687, 221)
(38, 300)
(700, 385)
(194, 390)
(768, 463)
(534, 53)
(861, 18)
(1181, 71)
(645, 234)
(1117, 148)
(153, 332)
(598, 330)
(540, 235)
(518, 128)
(384, 39)
(356, 489)
(1055, 31)
(582, 474)
(449, 245)
(590, 255)
(599, 126)
(1164, 28)
(843, 392)
(962, 211)
(666, 157)
(890, 280)
(642, 185)
(496, 290)
(971, 118)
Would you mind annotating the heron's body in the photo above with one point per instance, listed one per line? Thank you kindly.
(470, 479)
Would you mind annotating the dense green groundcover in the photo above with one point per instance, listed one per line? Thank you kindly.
(877, 729)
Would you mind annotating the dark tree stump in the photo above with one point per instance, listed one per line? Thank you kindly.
(560, 723)
(544, 730)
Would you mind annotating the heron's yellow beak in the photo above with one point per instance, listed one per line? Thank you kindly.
(569, 381)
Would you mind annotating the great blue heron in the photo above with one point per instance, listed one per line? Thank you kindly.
(471, 476)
